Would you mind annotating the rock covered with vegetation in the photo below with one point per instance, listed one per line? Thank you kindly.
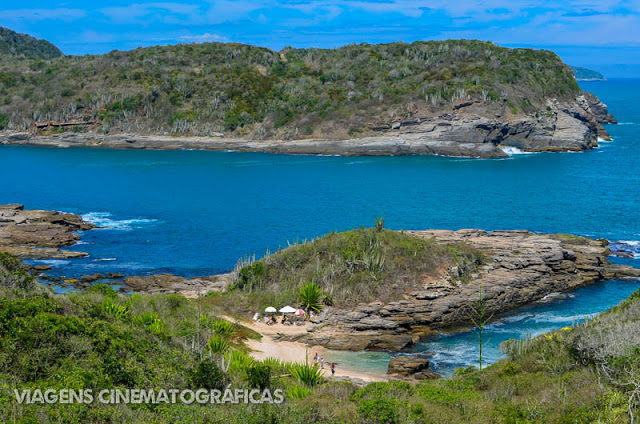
(23, 45)
(585, 74)
(387, 289)
(456, 97)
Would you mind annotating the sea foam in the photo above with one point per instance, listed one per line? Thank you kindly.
(104, 220)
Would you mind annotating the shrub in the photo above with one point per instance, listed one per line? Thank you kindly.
(298, 392)
(383, 411)
(259, 376)
(4, 121)
(207, 375)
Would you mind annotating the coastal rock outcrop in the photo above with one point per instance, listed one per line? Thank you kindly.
(470, 128)
(521, 267)
(39, 234)
(167, 283)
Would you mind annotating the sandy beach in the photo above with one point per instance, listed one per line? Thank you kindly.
(296, 351)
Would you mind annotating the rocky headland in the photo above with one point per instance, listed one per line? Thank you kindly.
(522, 267)
(39, 234)
(470, 128)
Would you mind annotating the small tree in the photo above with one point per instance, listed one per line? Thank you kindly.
(310, 295)
(480, 316)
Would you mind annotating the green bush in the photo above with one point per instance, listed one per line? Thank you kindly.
(259, 376)
(4, 121)
(208, 375)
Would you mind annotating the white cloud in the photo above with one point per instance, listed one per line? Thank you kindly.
(203, 37)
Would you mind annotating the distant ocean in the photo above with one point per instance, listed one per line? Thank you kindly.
(195, 213)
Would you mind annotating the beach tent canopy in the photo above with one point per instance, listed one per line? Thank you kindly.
(287, 310)
(270, 309)
(299, 312)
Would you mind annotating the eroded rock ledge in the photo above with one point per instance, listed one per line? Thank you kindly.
(39, 234)
(522, 267)
(468, 129)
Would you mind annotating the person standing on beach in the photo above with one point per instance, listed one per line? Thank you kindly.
(333, 369)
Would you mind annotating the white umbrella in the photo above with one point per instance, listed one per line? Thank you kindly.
(270, 309)
(299, 312)
(287, 310)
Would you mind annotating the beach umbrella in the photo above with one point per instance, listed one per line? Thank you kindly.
(299, 312)
(287, 310)
(270, 309)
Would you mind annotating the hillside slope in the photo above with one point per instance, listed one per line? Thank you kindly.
(15, 44)
(456, 97)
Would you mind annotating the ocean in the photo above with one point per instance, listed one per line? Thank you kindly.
(196, 213)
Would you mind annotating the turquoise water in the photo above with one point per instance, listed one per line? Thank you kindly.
(195, 213)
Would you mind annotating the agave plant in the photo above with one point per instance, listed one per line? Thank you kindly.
(146, 318)
(311, 295)
(222, 328)
(275, 364)
(239, 361)
(115, 309)
(307, 374)
(217, 344)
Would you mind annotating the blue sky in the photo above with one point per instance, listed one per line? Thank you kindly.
(604, 35)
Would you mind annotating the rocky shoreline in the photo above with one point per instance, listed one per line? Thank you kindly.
(465, 130)
(39, 234)
(522, 267)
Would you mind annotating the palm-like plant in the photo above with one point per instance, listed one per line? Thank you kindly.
(310, 295)
(307, 374)
(217, 344)
(222, 328)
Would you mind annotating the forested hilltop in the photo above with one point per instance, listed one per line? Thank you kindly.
(584, 74)
(247, 91)
(15, 44)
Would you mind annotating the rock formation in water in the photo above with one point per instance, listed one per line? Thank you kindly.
(522, 267)
(39, 234)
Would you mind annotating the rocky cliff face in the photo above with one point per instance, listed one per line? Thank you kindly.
(471, 129)
(522, 267)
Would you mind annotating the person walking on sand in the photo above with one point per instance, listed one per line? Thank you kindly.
(315, 359)
(322, 362)
(333, 369)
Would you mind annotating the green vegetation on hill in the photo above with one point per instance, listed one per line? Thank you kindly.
(355, 266)
(99, 339)
(587, 74)
(14, 44)
(242, 90)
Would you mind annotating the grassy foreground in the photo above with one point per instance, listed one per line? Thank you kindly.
(98, 339)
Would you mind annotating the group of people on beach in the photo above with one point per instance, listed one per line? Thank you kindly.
(317, 359)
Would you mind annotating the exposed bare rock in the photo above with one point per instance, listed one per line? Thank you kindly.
(407, 365)
(38, 233)
(167, 283)
(521, 267)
